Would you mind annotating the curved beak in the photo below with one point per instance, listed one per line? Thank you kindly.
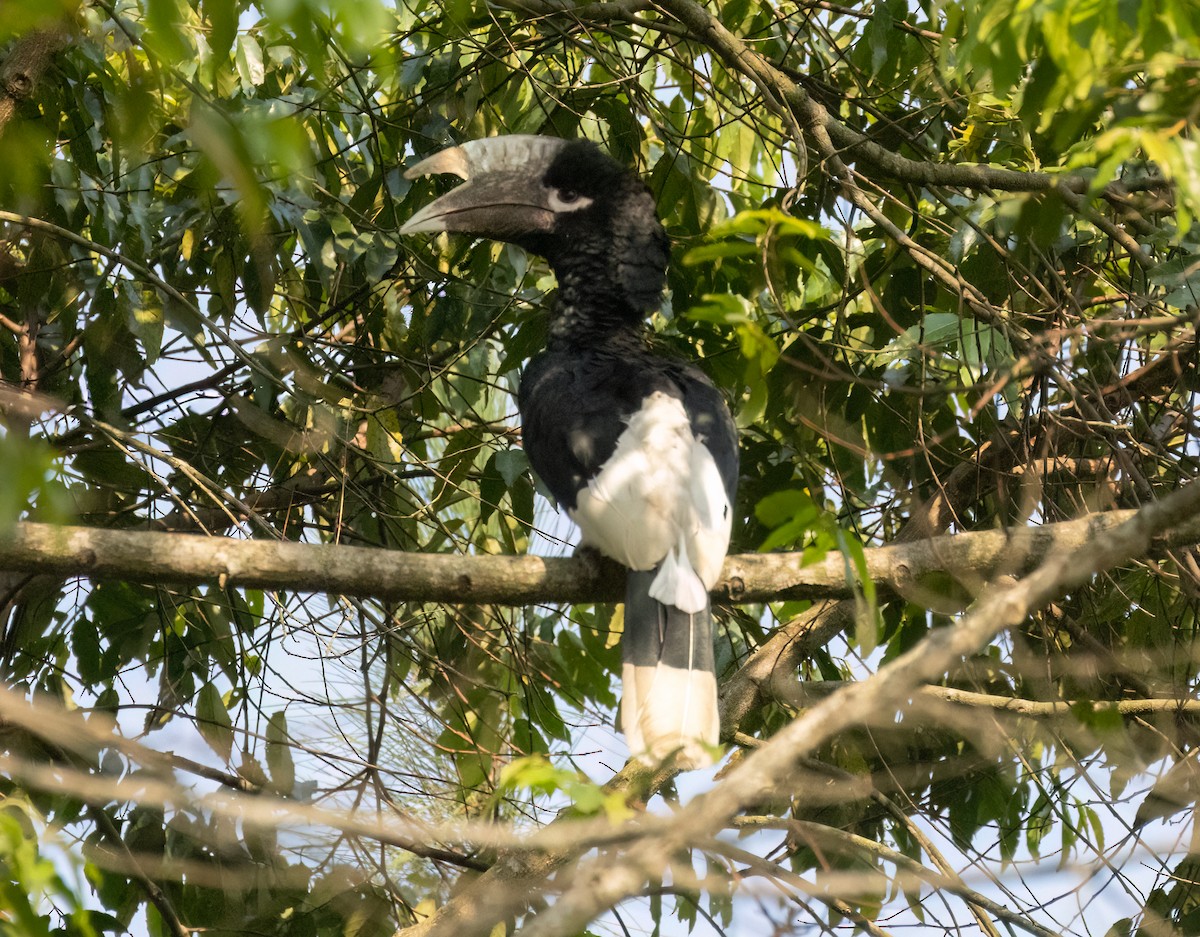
(500, 205)
(503, 197)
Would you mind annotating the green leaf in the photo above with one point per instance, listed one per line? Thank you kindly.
(1039, 822)
(165, 19)
(250, 63)
(279, 754)
(783, 506)
(25, 465)
(512, 464)
(222, 15)
(760, 221)
(867, 623)
(791, 514)
(536, 773)
(145, 319)
(212, 719)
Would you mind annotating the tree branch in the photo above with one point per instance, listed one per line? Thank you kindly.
(156, 785)
(807, 692)
(847, 142)
(901, 568)
(916, 873)
(24, 67)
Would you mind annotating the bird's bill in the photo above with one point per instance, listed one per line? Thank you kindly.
(502, 198)
(500, 205)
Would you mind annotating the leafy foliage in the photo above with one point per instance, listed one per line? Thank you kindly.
(983, 317)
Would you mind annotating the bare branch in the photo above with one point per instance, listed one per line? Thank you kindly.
(915, 871)
(70, 734)
(149, 556)
(1041, 709)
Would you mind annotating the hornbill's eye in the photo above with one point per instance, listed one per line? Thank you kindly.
(567, 200)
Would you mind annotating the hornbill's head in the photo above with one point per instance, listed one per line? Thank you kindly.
(592, 218)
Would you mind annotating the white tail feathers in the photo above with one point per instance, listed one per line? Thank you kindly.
(667, 710)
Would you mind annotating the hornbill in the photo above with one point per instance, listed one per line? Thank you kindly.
(640, 449)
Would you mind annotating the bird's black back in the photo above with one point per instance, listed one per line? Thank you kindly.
(575, 403)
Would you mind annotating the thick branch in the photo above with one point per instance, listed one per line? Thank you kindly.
(849, 144)
(852, 145)
(146, 556)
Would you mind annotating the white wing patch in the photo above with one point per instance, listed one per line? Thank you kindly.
(660, 499)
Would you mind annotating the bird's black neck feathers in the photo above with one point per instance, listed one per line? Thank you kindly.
(591, 308)
(610, 258)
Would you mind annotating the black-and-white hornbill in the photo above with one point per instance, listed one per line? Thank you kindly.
(640, 449)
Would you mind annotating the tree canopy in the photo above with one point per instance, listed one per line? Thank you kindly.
(293, 645)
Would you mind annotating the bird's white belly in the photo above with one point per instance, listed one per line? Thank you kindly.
(660, 490)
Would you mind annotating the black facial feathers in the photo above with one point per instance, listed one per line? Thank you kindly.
(621, 222)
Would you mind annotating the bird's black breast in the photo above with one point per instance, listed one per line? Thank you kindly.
(576, 404)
